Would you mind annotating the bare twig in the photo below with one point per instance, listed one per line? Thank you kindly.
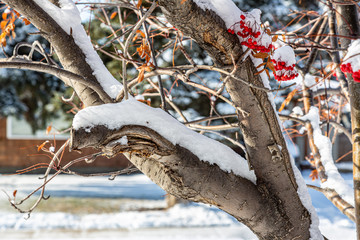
(42, 187)
(214, 127)
(127, 43)
(340, 128)
(161, 87)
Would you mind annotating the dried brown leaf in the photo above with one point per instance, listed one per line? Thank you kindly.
(288, 99)
(139, 4)
(261, 55)
(141, 75)
(113, 15)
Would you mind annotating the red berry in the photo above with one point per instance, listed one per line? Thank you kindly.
(242, 17)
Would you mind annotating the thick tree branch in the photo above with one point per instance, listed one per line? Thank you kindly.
(182, 174)
(275, 175)
(70, 55)
(335, 55)
(346, 208)
(348, 26)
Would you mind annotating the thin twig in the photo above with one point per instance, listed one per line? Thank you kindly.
(16, 204)
(66, 76)
(161, 87)
(214, 127)
(340, 128)
(127, 43)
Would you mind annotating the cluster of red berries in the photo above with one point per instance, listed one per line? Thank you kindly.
(250, 36)
(347, 68)
(245, 30)
(283, 72)
(255, 46)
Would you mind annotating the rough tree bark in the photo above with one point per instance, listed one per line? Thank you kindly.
(271, 208)
(274, 177)
(348, 28)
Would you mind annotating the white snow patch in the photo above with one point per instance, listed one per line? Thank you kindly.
(302, 130)
(124, 140)
(178, 216)
(333, 224)
(285, 54)
(116, 115)
(329, 84)
(298, 111)
(140, 97)
(68, 18)
(226, 9)
(310, 80)
(52, 149)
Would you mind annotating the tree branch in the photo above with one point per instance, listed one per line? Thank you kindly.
(346, 208)
(70, 55)
(67, 76)
(179, 172)
(211, 34)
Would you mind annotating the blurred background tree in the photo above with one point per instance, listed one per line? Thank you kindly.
(30, 95)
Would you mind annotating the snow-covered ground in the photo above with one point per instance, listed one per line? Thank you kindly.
(192, 221)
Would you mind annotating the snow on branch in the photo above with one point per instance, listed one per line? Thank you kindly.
(134, 113)
(68, 18)
(334, 181)
(305, 198)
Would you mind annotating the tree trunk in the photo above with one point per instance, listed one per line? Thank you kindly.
(271, 208)
(348, 28)
(275, 175)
